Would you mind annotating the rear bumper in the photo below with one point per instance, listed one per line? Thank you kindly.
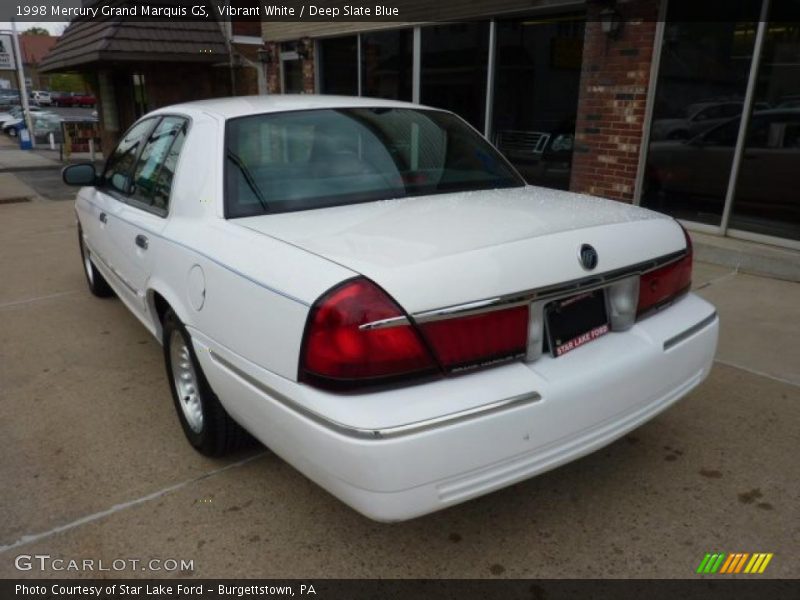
(514, 422)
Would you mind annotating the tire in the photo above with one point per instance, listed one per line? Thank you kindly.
(97, 283)
(12, 132)
(208, 428)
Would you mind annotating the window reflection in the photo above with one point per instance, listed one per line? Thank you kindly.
(766, 200)
(454, 59)
(700, 96)
(538, 68)
(337, 63)
(387, 63)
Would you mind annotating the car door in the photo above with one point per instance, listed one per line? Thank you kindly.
(137, 241)
(98, 205)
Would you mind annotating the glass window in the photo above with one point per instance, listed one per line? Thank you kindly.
(338, 64)
(453, 63)
(152, 177)
(117, 172)
(701, 85)
(387, 64)
(766, 199)
(317, 158)
(537, 81)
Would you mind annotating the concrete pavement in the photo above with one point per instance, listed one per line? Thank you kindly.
(95, 466)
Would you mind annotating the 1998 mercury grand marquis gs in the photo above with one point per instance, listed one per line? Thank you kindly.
(370, 289)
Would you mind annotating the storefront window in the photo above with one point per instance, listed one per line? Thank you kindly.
(697, 112)
(537, 80)
(387, 64)
(453, 62)
(766, 199)
(291, 68)
(338, 62)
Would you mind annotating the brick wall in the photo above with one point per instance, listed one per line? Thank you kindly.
(614, 81)
(274, 66)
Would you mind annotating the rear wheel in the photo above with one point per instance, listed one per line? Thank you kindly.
(204, 421)
(97, 283)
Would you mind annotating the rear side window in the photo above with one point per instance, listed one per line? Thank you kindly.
(152, 176)
(117, 173)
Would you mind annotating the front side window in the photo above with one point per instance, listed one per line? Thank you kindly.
(152, 176)
(292, 161)
(117, 173)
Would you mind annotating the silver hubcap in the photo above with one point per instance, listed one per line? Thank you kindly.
(185, 381)
(87, 261)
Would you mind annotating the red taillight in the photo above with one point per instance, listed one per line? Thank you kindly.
(658, 287)
(337, 352)
(478, 338)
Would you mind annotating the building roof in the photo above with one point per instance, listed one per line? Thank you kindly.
(116, 39)
(34, 47)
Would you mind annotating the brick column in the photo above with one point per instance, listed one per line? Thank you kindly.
(307, 45)
(273, 68)
(611, 105)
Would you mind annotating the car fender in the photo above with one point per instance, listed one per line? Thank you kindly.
(179, 305)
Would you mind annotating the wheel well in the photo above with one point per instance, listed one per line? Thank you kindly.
(161, 306)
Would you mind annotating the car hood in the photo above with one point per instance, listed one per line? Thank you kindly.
(440, 250)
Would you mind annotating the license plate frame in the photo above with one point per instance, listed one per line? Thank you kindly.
(576, 320)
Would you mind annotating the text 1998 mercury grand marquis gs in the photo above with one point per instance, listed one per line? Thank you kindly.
(370, 289)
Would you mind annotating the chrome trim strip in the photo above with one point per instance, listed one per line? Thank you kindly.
(385, 323)
(690, 332)
(583, 284)
(384, 432)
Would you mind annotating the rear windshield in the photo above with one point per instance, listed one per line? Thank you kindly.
(282, 162)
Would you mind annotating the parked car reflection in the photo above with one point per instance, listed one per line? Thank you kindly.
(694, 173)
(700, 117)
(542, 157)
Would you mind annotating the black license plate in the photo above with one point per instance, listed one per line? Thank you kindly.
(575, 321)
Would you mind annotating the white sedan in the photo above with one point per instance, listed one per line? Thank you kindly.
(370, 289)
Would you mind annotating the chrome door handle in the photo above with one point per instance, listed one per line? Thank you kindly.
(141, 241)
(103, 218)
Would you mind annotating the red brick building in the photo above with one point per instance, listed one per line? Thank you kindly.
(33, 49)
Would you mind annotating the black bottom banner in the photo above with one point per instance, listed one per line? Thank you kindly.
(374, 589)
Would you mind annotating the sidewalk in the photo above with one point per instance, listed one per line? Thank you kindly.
(13, 159)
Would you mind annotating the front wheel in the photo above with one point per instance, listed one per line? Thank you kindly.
(204, 421)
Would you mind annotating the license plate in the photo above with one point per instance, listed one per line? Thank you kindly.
(575, 321)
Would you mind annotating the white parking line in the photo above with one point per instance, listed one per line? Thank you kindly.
(28, 539)
(757, 372)
(36, 299)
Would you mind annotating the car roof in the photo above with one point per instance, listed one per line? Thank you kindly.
(239, 106)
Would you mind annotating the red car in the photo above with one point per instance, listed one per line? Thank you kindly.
(62, 99)
(84, 99)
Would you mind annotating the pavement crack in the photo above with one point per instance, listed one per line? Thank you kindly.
(35, 537)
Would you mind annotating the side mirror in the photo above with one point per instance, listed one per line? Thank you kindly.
(81, 174)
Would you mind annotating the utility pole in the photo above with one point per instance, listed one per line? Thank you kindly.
(23, 89)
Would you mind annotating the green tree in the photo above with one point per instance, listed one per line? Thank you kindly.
(67, 82)
(36, 31)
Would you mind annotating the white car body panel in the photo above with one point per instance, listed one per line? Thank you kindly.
(400, 452)
(399, 243)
